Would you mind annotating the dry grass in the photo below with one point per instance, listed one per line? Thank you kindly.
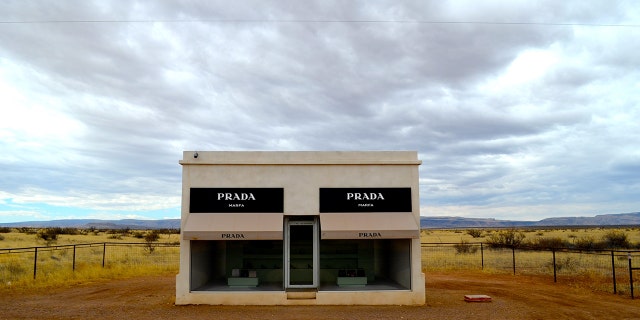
(122, 260)
(88, 274)
(17, 239)
(569, 234)
(124, 256)
(589, 270)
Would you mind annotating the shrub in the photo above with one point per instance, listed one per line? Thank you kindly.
(588, 244)
(69, 231)
(138, 234)
(5, 230)
(152, 236)
(548, 243)
(465, 247)
(509, 238)
(169, 231)
(27, 230)
(475, 233)
(616, 239)
(49, 235)
(149, 239)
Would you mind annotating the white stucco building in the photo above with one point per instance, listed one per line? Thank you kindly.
(285, 228)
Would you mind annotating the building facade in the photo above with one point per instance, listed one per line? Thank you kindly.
(286, 228)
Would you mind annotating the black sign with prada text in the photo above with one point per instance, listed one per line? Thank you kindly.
(365, 200)
(230, 200)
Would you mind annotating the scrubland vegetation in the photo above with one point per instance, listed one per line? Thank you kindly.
(67, 256)
(597, 238)
(33, 237)
(596, 258)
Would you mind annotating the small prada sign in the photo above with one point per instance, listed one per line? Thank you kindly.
(365, 200)
(369, 235)
(227, 236)
(231, 200)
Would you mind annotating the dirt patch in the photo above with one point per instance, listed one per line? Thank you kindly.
(513, 297)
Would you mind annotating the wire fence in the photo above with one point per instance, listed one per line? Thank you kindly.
(17, 263)
(602, 270)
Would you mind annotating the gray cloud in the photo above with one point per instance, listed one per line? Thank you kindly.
(509, 105)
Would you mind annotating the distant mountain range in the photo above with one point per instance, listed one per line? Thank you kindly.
(622, 219)
(99, 224)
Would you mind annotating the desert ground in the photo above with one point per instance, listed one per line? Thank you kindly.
(152, 297)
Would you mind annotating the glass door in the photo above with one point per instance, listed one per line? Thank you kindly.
(301, 253)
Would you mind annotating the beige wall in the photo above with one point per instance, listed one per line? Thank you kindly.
(301, 174)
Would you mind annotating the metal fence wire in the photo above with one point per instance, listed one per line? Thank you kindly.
(614, 271)
(16, 263)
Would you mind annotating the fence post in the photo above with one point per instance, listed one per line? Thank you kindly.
(630, 274)
(613, 271)
(74, 258)
(555, 278)
(482, 255)
(35, 262)
(513, 256)
(104, 251)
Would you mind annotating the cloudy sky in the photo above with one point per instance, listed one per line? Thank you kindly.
(519, 109)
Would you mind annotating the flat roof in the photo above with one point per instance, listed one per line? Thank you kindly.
(300, 157)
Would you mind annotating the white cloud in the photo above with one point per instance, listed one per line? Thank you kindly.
(34, 127)
(527, 67)
(110, 215)
(507, 117)
(82, 200)
(531, 212)
(23, 215)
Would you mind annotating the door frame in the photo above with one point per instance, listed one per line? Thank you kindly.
(287, 252)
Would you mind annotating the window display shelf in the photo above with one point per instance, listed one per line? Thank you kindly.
(242, 282)
(351, 281)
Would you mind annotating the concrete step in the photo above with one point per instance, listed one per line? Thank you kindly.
(301, 294)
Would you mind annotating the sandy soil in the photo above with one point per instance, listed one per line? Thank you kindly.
(514, 297)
